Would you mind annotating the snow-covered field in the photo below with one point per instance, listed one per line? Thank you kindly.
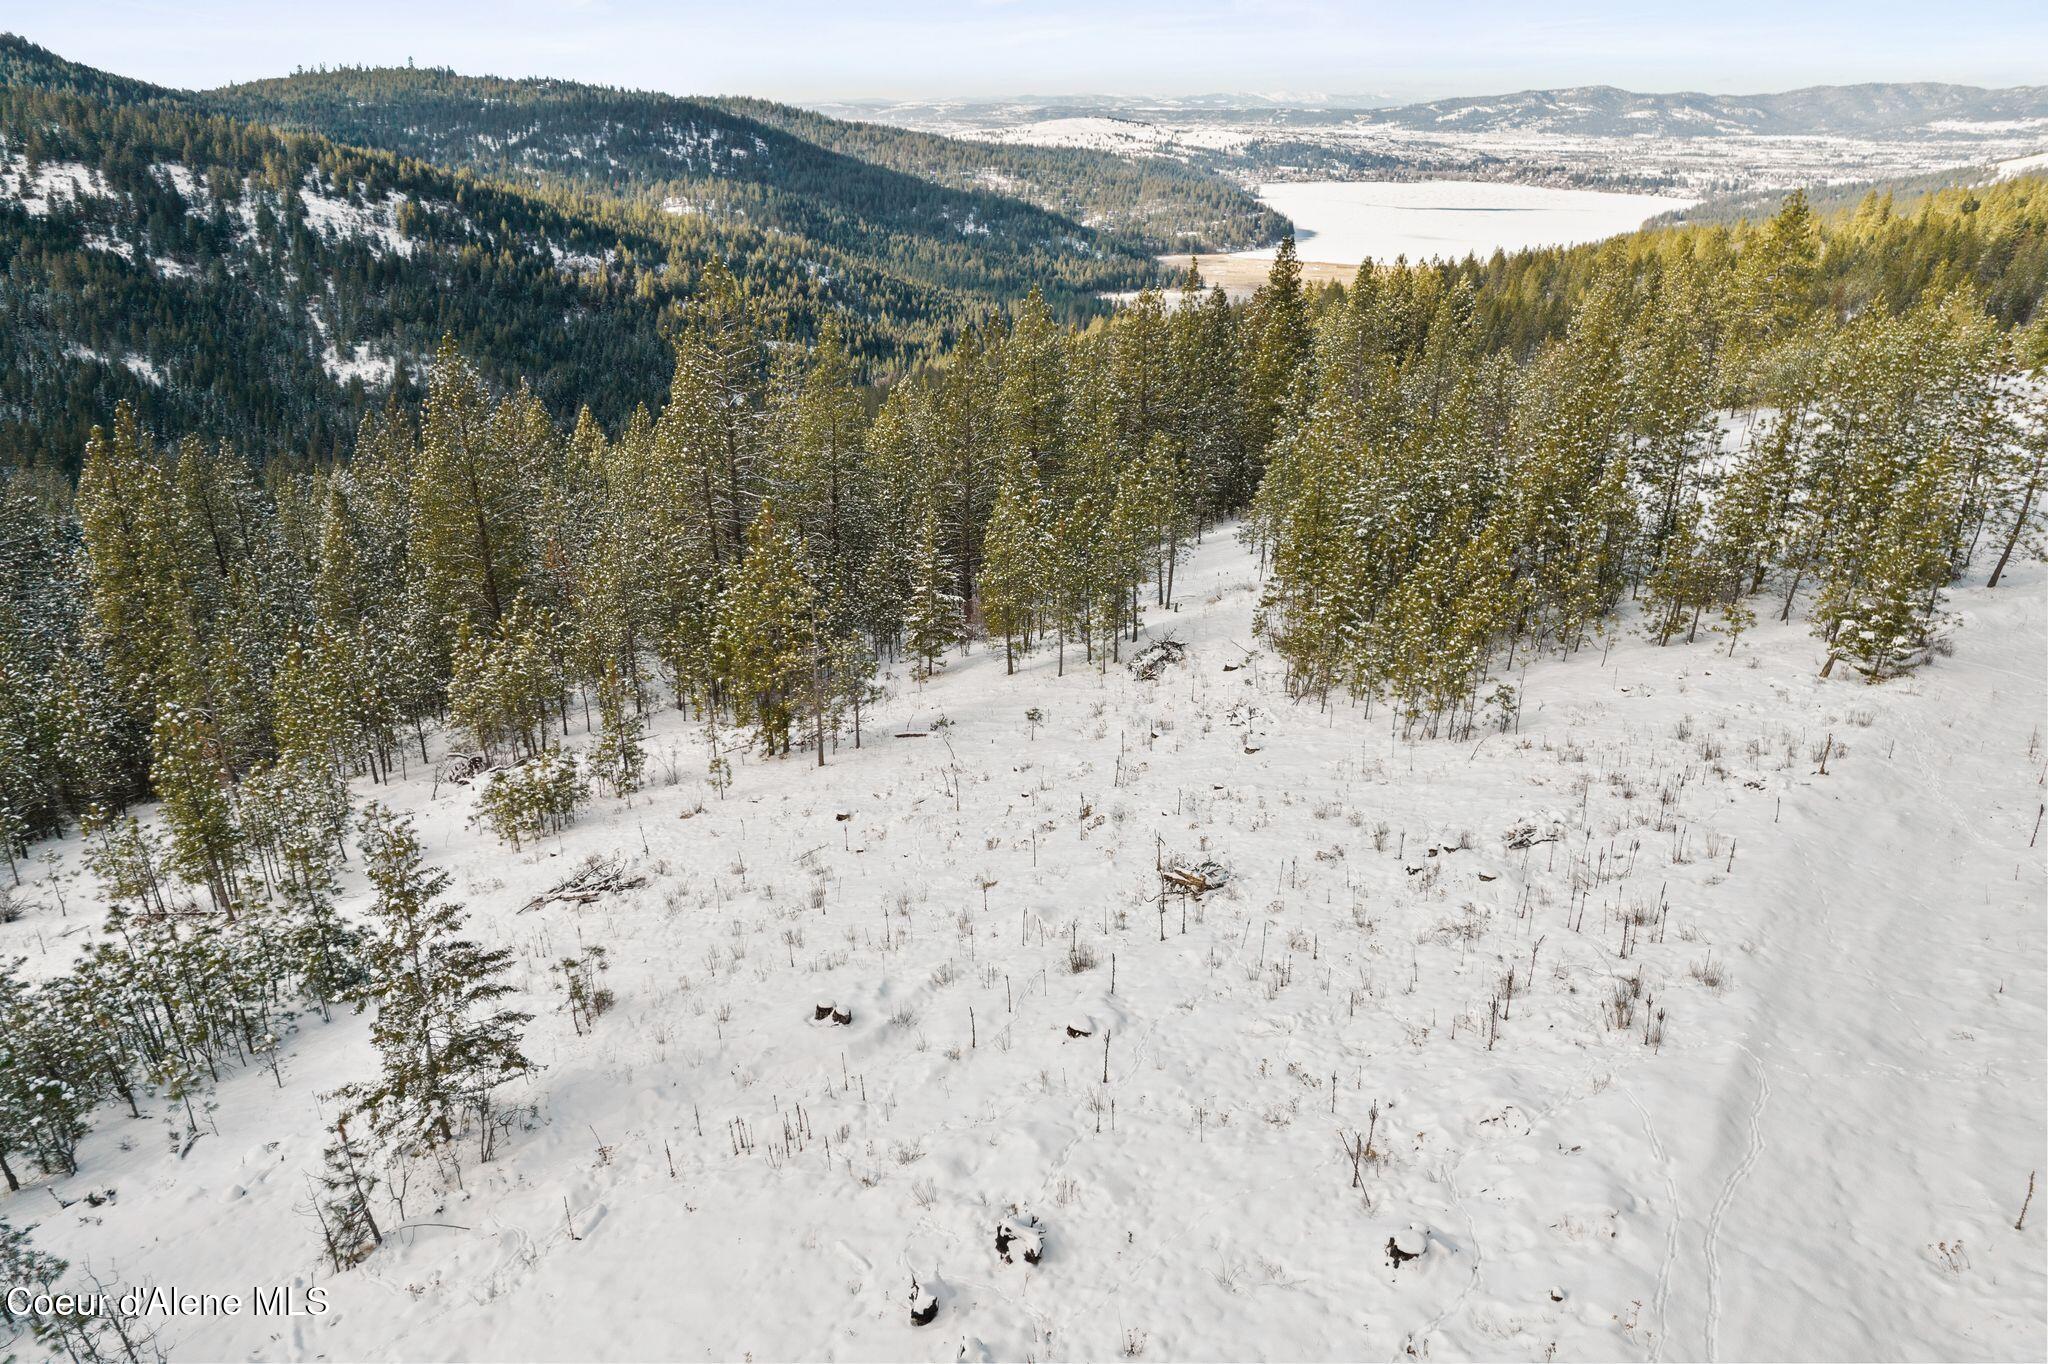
(1767, 1083)
(1345, 222)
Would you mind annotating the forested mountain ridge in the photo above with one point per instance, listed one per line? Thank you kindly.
(795, 168)
(689, 158)
(1157, 199)
(24, 63)
(266, 287)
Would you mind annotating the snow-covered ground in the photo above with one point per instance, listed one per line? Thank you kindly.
(1345, 222)
(1795, 1120)
(2022, 165)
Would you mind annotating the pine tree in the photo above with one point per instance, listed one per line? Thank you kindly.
(479, 474)
(347, 1222)
(965, 409)
(536, 798)
(766, 633)
(1278, 345)
(506, 683)
(1125, 553)
(1223, 463)
(87, 735)
(24, 1267)
(1684, 583)
(1033, 399)
(1879, 610)
(1779, 268)
(619, 758)
(24, 790)
(140, 579)
(1013, 568)
(819, 468)
(718, 400)
(2017, 486)
(43, 1106)
(188, 768)
(932, 618)
(840, 682)
(1311, 603)
(445, 1041)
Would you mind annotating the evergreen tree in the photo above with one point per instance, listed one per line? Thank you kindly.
(189, 770)
(1684, 582)
(819, 466)
(1014, 568)
(536, 798)
(443, 1036)
(1779, 267)
(139, 576)
(43, 1105)
(348, 1225)
(932, 617)
(2017, 485)
(1032, 401)
(767, 633)
(507, 682)
(619, 758)
(1278, 340)
(1880, 610)
(478, 475)
(23, 1266)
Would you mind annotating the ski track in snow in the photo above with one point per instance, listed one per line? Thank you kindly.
(1773, 1180)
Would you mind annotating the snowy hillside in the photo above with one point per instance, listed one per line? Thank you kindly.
(1700, 1017)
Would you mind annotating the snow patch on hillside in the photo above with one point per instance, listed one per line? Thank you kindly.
(337, 216)
(358, 362)
(49, 185)
(141, 366)
(99, 241)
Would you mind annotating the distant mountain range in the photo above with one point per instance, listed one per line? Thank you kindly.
(1877, 110)
(1872, 110)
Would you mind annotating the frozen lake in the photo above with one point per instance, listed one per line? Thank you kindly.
(1345, 221)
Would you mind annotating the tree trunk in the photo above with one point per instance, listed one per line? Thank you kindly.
(2018, 523)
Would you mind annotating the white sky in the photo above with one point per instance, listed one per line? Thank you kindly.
(812, 50)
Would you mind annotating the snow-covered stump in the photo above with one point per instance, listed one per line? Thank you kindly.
(1020, 1235)
(924, 1304)
(1407, 1244)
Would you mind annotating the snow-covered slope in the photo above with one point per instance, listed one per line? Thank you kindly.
(1768, 1081)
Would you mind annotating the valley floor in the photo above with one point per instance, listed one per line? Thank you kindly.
(1768, 1082)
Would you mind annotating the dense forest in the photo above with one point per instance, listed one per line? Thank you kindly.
(1449, 469)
